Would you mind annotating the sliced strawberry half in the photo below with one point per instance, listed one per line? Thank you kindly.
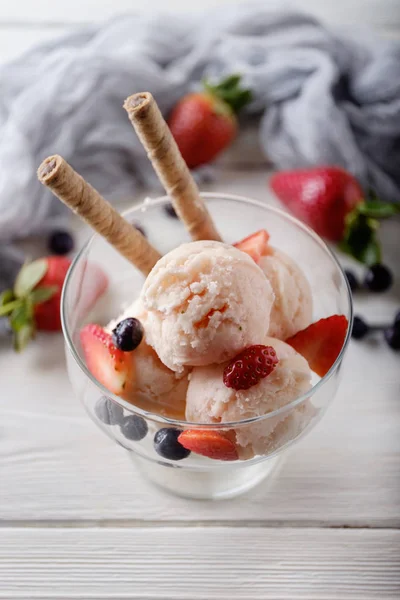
(212, 444)
(255, 245)
(112, 367)
(321, 342)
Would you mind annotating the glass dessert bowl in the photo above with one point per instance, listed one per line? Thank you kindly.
(150, 431)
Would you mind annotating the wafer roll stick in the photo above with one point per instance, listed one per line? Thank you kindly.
(169, 165)
(84, 200)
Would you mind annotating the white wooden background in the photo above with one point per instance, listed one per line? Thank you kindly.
(76, 520)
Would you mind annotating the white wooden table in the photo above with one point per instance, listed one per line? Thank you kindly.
(78, 522)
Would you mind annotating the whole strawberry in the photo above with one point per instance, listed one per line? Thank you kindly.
(204, 123)
(331, 201)
(321, 197)
(34, 302)
(47, 313)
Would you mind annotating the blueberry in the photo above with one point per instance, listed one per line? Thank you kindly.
(392, 337)
(134, 428)
(352, 279)
(108, 411)
(60, 242)
(171, 212)
(128, 334)
(166, 444)
(378, 278)
(360, 328)
(140, 229)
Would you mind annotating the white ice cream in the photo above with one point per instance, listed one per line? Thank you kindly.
(209, 400)
(293, 306)
(156, 388)
(203, 303)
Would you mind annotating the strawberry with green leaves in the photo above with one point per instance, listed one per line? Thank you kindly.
(204, 123)
(34, 302)
(330, 200)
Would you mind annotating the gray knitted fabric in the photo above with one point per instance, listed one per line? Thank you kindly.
(322, 98)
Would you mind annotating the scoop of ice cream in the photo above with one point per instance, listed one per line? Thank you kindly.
(205, 301)
(209, 400)
(292, 308)
(156, 388)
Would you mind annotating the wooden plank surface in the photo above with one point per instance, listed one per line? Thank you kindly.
(58, 466)
(199, 564)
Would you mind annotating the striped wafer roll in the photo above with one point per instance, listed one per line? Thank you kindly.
(65, 183)
(169, 165)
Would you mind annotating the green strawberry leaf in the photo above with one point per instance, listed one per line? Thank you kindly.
(230, 82)
(8, 308)
(377, 210)
(6, 297)
(43, 293)
(21, 316)
(21, 319)
(23, 336)
(29, 276)
(360, 240)
(230, 92)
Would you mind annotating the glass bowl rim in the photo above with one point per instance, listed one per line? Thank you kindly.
(159, 201)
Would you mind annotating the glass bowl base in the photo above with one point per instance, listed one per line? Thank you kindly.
(215, 484)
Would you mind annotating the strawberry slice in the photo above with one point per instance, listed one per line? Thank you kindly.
(321, 342)
(208, 443)
(112, 367)
(255, 245)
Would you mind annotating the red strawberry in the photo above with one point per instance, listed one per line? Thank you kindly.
(322, 197)
(330, 200)
(34, 302)
(321, 342)
(204, 123)
(212, 444)
(47, 314)
(112, 367)
(255, 245)
(250, 366)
